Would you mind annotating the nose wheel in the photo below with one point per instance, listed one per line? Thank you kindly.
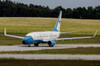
(29, 45)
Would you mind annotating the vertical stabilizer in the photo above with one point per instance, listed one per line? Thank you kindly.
(57, 27)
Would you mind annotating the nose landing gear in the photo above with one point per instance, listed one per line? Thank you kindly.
(29, 45)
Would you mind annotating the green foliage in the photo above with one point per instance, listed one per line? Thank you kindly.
(12, 9)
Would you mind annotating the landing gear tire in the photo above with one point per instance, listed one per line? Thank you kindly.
(29, 45)
(36, 44)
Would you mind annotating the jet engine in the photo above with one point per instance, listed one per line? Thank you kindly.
(51, 43)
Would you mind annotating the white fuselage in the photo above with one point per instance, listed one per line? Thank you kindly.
(48, 35)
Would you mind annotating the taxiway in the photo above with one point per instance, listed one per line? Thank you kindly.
(42, 47)
(51, 56)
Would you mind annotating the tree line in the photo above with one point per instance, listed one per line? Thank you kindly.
(15, 9)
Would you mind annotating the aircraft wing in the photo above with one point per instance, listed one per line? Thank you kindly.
(12, 35)
(77, 37)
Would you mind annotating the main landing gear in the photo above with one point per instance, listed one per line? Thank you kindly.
(36, 44)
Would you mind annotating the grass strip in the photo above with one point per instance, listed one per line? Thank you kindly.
(79, 50)
(22, 62)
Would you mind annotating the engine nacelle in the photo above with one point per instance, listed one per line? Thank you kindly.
(52, 42)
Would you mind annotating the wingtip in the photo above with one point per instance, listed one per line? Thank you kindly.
(95, 33)
(5, 31)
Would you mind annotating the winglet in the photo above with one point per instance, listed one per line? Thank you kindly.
(95, 33)
(5, 31)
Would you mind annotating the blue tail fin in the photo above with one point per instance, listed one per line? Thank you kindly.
(57, 27)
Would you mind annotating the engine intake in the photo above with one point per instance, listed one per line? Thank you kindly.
(51, 43)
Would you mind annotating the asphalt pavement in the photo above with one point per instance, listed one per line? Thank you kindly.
(48, 56)
(51, 56)
(42, 47)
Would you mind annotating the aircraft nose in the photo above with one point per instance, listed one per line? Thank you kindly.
(28, 39)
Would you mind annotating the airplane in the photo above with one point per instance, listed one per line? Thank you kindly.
(49, 37)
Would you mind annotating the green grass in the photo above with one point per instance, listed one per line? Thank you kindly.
(21, 62)
(30, 24)
(80, 50)
(23, 25)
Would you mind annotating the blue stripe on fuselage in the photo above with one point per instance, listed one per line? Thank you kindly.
(30, 40)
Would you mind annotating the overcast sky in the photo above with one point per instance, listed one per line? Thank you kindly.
(63, 3)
